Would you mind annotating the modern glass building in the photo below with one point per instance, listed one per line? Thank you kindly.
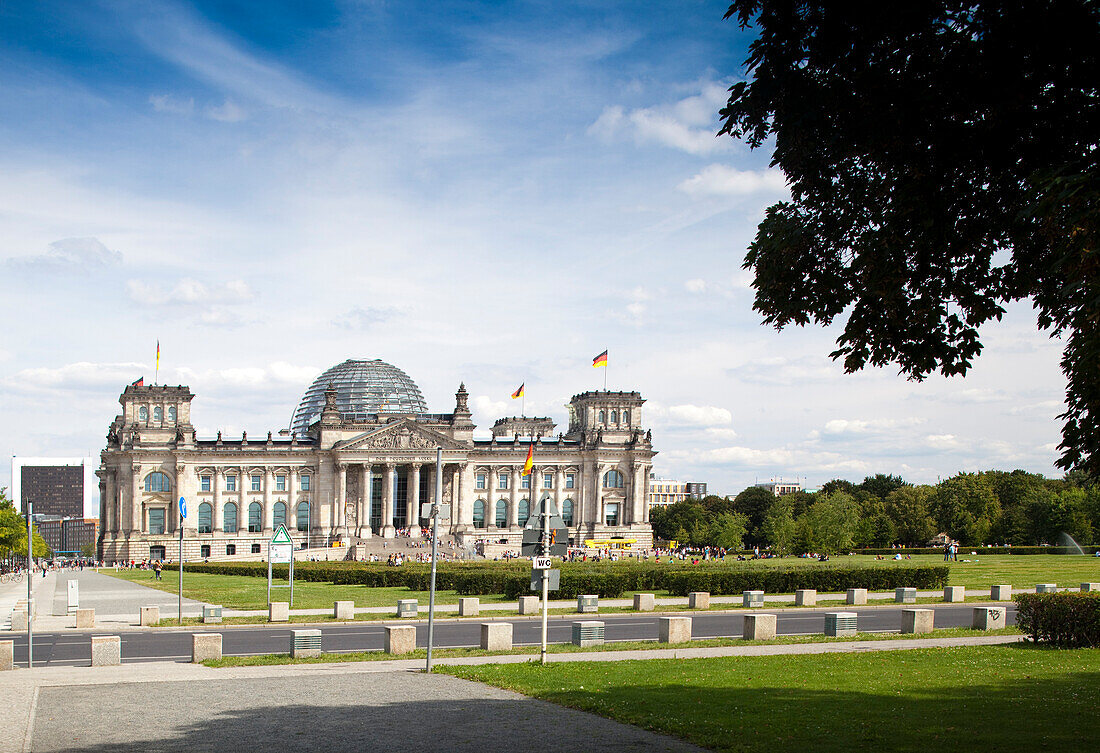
(363, 389)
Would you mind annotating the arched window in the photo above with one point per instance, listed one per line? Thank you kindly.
(524, 511)
(206, 513)
(157, 482)
(229, 517)
(614, 416)
(302, 516)
(502, 513)
(626, 417)
(255, 518)
(158, 414)
(567, 512)
(603, 417)
(143, 413)
(172, 413)
(279, 516)
(613, 479)
(479, 513)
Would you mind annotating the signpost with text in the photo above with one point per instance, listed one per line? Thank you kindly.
(280, 549)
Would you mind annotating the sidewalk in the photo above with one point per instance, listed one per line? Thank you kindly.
(42, 593)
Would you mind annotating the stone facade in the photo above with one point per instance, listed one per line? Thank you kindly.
(355, 476)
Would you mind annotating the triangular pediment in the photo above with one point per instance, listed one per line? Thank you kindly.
(400, 435)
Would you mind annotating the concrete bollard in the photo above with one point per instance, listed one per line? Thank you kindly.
(1086, 587)
(7, 655)
(400, 639)
(588, 604)
(752, 598)
(278, 611)
(18, 621)
(988, 618)
(674, 629)
(856, 596)
(469, 607)
(106, 650)
(211, 614)
(699, 600)
(496, 636)
(588, 633)
(759, 627)
(917, 620)
(805, 597)
(148, 616)
(1046, 588)
(407, 608)
(644, 602)
(840, 623)
(954, 594)
(528, 605)
(905, 596)
(205, 646)
(85, 618)
(1000, 593)
(305, 644)
(343, 610)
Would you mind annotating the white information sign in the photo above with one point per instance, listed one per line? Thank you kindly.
(541, 563)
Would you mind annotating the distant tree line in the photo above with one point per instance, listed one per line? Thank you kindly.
(990, 507)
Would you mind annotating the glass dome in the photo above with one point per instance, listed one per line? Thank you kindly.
(362, 388)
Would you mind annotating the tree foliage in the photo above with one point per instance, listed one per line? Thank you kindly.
(942, 159)
(13, 531)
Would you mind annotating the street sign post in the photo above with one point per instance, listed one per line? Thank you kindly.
(280, 549)
(183, 517)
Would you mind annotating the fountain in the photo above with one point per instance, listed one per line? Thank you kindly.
(1069, 543)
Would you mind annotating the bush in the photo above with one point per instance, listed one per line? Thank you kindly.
(1069, 620)
(824, 578)
(984, 550)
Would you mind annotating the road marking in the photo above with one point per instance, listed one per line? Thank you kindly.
(30, 722)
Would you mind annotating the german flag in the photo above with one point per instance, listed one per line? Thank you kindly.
(600, 360)
(138, 382)
(530, 459)
(518, 393)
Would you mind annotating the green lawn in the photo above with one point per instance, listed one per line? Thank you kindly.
(1005, 698)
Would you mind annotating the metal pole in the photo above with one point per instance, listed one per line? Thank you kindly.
(179, 614)
(435, 539)
(30, 603)
(545, 573)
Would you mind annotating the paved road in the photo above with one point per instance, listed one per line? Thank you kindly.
(73, 649)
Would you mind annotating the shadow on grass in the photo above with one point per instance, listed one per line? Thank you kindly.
(883, 702)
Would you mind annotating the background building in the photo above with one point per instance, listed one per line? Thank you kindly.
(68, 536)
(359, 462)
(59, 487)
(664, 491)
(781, 487)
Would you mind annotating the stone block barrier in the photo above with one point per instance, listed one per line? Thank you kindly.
(528, 605)
(1000, 593)
(19, 621)
(305, 643)
(469, 607)
(148, 616)
(1086, 587)
(644, 602)
(805, 597)
(205, 646)
(905, 596)
(752, 599)
(106, 650)
(407, 608)
(1046, 588)
(988, 618)
(588, 633)
(674, 629)
(856, 596)
(588, 604)
(400, 639)
(343, 610)
(85, 618)
(840, 623)
(954, 594)
(7, 655)
(496, 636)
(211, 614)
(917, 620)
(699, 600)
(759, 627)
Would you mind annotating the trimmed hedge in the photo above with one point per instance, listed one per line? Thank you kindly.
(1066, 619)
(983, 550)
(607, 579)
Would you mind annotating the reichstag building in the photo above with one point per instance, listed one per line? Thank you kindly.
(358, 461)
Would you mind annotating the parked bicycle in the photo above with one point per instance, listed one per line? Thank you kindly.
(15, 576)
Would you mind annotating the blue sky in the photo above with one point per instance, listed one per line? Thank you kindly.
(481, 192)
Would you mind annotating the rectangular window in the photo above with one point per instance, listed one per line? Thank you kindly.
(280, 483)
(612, 514)
(305, 483)
(570, 480)
(502, 481)
(230, 549)
(479, 481)
(257, 483)
(548, 481)
(204, 551)
(156, 520)
(525, 481)
(255, 548)
(231, 483)
(204, 482)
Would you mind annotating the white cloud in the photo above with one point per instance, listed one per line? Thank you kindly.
(696, 285)
(364, 317)
(722, 180)
(79, 376)
(170, 104)
(188, 291)
(840, 427)
(70, 254)
(228, 112)
(942, 441)
(689, 124)
(700, 415)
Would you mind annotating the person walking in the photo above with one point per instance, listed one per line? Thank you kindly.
(156, 569)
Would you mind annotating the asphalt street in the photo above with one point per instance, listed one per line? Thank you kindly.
(73, 649)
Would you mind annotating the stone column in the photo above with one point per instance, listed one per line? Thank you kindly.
(112, 502)
(413, 488)
(216, 501)
(462, 517)
(637, 496)
(559, 488)
(136, 523)
(513, 498)
(269, 503)
(339, 515)
(388, 501)
(292, 493)
(367, 482)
